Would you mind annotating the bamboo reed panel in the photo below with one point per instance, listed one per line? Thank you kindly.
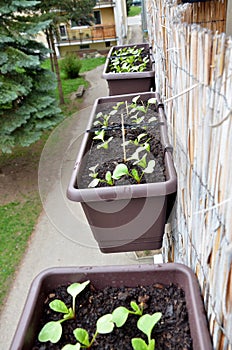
(209, 14)
(200, 123)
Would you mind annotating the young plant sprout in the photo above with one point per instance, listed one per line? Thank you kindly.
(105, 144)
(138, 142)
(133, 110)
(122, 170)
(141, 108)
(121, 313)
(52, 330)
(116, 107)
(102, 120)
(129, 59)
(104, 325)
(108, 177)
(100, 135)
(146, 324)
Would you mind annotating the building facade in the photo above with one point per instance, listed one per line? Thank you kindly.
(109, 29)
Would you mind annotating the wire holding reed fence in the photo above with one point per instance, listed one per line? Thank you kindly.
(194, 77)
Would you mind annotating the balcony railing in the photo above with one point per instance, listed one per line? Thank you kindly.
(88, 35)
(105, 2)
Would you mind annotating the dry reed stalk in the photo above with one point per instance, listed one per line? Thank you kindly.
(193, 74)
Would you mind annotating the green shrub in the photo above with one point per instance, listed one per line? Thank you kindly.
(71, 66)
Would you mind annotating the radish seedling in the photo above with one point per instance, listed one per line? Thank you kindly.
(52, 330)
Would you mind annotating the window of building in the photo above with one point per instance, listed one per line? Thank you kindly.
(97, 17)
(63, 32)
(107, 43)
(84, 46)
(80, 23)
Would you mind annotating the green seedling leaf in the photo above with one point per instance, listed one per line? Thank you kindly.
(143, 161)
(135, 99)
(119, 171)
(51, 331)
(140, 136)
(76, 288)
(72, 347)
(141, 109)
(82, 336)
(151, 345)
(136, 308)
(135, 155)
(133, 110)
(99, 135)
(106, 120)
(147, 322)
(93, 168)
(105, 144)
(70, 314)
(58, 306)
(120, 315)
(146, 146)
(114, 112)
(94, 175)
(118, 105)
(139, 344)
(152, 101)
(99, 115)
(152, 119)
(105, 324)
(108, 178)
(94, 183)
(135, 175)
(138, 120)
(150, 167)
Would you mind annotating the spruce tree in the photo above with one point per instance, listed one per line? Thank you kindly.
(27, 102)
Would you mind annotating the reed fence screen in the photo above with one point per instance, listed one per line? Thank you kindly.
(194, 78)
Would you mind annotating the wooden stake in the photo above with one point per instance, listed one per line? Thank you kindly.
(123, 138)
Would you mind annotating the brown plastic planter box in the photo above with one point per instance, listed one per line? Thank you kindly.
(192, 1)
(116, 276)
(133, 82)
(129, 217)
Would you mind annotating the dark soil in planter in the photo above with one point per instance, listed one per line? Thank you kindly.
(171, 332)
(107, 159)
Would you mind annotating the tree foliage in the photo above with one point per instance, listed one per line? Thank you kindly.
(56, 11)
(71, 65)
(27, 102)
(128, 5)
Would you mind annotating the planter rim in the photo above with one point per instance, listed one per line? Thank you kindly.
(124, 191)
(127, 75)
(112, 269)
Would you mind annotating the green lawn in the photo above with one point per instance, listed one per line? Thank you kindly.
(134, 11)
(17, 219)
(71, 85)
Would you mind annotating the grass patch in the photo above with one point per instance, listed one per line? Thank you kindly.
(17, 221)
(91, 63)
(134, 11)
(71, 85)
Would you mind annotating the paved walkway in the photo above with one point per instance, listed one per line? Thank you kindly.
(62, 236)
